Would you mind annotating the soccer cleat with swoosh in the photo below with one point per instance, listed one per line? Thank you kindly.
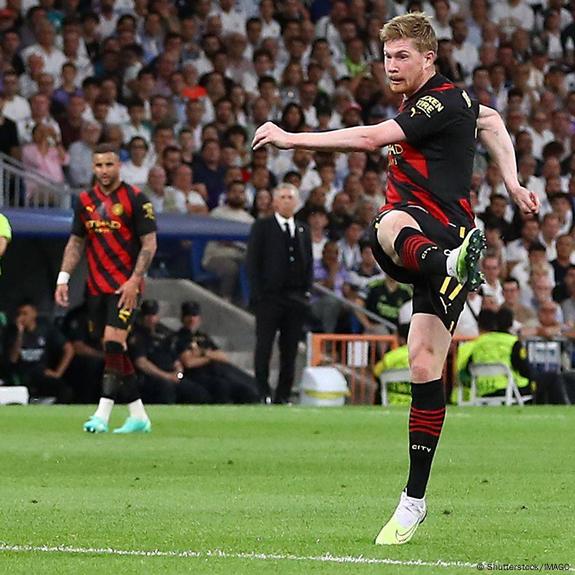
(409, 514)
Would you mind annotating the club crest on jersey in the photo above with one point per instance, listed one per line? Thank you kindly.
(89, 209)
(117, 209)
(427, 105)
(149, 211)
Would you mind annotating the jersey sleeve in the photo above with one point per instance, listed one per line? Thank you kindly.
(5, 229)
(78, 227)
(144, 216)
(434, 113)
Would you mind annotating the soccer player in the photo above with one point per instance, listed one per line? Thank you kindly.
(115, 225)
(425, 234)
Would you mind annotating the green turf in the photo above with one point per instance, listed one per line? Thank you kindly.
(280, 480)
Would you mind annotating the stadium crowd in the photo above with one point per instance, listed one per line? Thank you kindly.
(180, 88)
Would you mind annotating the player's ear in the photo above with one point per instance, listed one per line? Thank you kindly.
(430, 56)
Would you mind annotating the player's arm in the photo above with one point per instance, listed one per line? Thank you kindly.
(67, 357)
(494, 136)
(3, 245)
(72, 255)
(129, 290)
(359, 138)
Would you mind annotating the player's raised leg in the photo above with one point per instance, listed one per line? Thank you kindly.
(402, 239)
(428, 344)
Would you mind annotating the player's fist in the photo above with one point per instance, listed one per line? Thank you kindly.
(269, 133)
(527, 201)
(61, 295)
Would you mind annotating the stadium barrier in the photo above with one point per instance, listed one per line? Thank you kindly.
(356, 355)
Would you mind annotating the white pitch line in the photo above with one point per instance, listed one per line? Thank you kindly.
(326, 558)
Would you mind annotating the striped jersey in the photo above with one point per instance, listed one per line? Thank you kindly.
(432, 168)
(112, 225)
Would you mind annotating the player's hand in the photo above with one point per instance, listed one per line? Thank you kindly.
(61, 295)
(269, 133)
(527, 201)
(128, 294)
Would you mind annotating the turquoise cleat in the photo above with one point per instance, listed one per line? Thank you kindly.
(95, 425)
(133, 425)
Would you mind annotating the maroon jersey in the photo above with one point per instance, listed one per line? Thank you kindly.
(432, 168)
(112, 226)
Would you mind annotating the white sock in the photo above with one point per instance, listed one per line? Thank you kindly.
(104, 409)
(137, 410)
(451, 262)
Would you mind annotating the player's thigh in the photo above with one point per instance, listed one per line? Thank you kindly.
(389, 225)
(118, 320)
(428, 344)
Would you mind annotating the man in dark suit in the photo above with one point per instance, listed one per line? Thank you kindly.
(280, 269)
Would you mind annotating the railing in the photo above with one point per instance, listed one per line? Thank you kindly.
(21, 187)
(355, 356)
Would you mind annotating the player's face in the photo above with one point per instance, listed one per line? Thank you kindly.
(107, 170)
(407, 69)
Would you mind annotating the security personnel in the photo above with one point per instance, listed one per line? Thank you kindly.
(160, 374)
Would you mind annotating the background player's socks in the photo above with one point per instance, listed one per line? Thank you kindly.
(137, 410)
(104, 409)
(425, 423)
(418, 253)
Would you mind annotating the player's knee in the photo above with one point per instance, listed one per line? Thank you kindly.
(423, 364)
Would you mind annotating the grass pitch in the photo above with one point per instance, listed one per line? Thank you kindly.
(280, 490)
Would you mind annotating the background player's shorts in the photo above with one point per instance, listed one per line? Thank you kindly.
(439, 295)
(103, 310)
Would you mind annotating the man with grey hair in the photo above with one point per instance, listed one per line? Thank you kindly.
(280, 270)
(80, 168)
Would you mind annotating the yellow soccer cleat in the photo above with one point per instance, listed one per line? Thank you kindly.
(404, 522)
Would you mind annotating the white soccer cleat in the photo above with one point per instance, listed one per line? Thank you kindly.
(404, 522)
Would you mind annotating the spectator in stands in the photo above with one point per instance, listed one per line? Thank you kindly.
(46, 156)
(523, 316)
(189, 197)
(71, 123)
(80, 164)
(39, 114)
(561, 206)
(367, 272)
(517, 250)
(208, 366)
(136, 126)
(548, 234)
(208, 171)
(349, 248)
(68, 86)
(536, 263)
(16, 107)
(263, 205)
(340, 215)
(568, 304)
(45, 48)
(171, 160)
(317, 220)
(564, 260)
(331, 274)
(38, 355)
(135, 170)
(491, 268)
(160, 373)
(164, 200)
(8, 132)
(225, 259)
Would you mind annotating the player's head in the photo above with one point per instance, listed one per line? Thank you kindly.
(106, 166)
(410, 48)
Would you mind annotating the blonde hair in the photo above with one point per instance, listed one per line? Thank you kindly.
(414, 26)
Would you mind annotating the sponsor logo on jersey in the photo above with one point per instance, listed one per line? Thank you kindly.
(427, 105)
(102, 226)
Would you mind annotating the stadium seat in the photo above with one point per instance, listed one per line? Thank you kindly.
(392, 376)
(12, 395)
(512, 393)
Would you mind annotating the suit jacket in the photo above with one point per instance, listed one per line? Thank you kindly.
(268, 258)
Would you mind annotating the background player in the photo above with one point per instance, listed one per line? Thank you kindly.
(425, 235)
(115, 225)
